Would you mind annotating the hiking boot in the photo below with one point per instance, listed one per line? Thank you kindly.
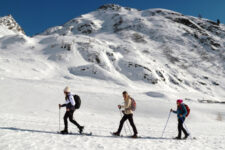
(81, 129)
(186, 136)
(178, 138)
(64, 132)
(116, 134)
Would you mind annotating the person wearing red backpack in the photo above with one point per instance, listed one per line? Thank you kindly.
(128, 114)
(181, 115)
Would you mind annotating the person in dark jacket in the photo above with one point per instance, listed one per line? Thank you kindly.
(181, 115)
(70, 108)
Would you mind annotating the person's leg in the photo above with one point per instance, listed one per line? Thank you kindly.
(121, 124)
(72, 120)
(179, 128)
(65, 121)
(183, 129)
(132, 124)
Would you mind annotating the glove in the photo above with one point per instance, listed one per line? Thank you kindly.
(171, 110)
(119, 106)
(60, 106)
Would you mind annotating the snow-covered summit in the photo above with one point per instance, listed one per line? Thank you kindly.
(114, 7)
(9, 26)
(104, 19)
(156, 46)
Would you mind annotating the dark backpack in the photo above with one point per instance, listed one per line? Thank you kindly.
(188, 109)
(77, 101)
(133, 104)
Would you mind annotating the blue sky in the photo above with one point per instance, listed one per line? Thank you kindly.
(37, 15)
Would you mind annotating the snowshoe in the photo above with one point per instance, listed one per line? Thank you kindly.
(64, 132)
(177, 138)
(115, 133)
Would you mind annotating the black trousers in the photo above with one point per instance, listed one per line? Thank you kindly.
(69, 114)
(130, 118)
(180, 127)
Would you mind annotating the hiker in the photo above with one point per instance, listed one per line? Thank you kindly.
(181, 115)
(128, 114)
(70, 108)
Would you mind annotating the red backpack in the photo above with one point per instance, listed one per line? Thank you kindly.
(133, 104)
(188, 109)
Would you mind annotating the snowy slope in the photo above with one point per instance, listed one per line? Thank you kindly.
(156, 55)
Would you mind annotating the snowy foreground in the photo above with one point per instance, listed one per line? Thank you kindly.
(156, 55)
(29, 118)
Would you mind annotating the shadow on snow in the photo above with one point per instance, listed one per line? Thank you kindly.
(100, 136)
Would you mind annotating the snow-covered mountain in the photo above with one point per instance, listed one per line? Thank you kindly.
(157, 55)
(123, 45)
(155, 46)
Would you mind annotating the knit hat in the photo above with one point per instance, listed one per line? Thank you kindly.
(179, 101)
(67, 89)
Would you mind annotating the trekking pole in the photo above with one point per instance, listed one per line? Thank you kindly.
(187, 130)
(124, 126)
(129, 127)
(166, 124)
(59, 119)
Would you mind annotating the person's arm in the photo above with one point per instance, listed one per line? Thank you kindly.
(67, 102)
(63, 105)
(127, 105)
(174, 111)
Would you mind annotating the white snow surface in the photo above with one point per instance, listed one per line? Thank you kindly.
(156, 55)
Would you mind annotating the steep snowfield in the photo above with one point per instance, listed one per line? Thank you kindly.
(156, 55)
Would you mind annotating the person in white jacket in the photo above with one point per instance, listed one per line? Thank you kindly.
(128, 114)
(70, 108)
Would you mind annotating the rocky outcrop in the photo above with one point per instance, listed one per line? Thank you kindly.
(10, 23)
